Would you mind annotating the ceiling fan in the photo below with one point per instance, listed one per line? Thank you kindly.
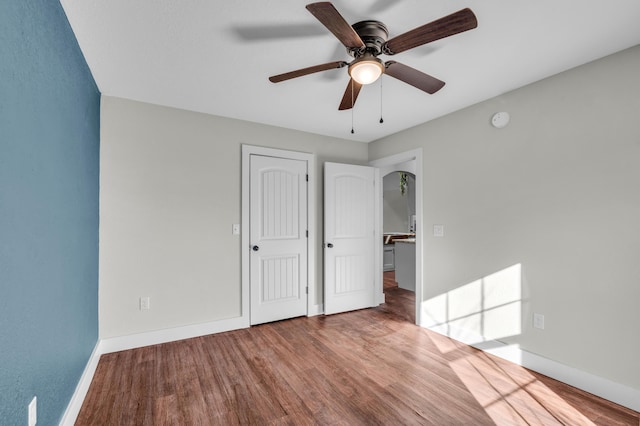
(366, 40)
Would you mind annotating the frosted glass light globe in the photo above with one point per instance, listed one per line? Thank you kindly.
(366, 71)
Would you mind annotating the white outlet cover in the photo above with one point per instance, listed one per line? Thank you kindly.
(145, 303)
(538, 321)
(438, 230)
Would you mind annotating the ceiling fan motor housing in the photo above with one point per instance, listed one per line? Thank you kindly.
(373, 33)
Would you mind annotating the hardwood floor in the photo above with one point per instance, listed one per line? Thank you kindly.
(359, 368)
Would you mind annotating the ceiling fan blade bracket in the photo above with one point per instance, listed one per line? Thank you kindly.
(387, 51)
(356, 52)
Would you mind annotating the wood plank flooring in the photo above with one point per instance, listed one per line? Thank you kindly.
(365, 367)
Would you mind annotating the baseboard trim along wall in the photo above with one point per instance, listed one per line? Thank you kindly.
(73, 409)
(596, 385)
(115, 344)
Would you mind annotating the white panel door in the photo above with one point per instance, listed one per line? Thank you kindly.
(349, 214)
(278, 243)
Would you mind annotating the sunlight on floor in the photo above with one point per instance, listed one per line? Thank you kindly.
(508, 392)
(519, 397)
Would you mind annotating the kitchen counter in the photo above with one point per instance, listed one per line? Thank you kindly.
(389, 240)
(405, 263)
(392, 237)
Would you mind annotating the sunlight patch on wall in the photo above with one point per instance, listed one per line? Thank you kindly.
(486, 309)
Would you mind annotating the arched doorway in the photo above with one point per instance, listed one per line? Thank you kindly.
(410, 161)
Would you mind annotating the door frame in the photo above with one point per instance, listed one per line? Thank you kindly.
(398, 162)
(245, 246)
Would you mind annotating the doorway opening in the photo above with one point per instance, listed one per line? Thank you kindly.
(409, 162)
(398, 231)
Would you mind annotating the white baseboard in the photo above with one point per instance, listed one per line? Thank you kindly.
(74, 406)
(596, 385)
(115, 344)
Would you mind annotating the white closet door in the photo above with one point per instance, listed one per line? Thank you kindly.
(349, 212)
(278, 242)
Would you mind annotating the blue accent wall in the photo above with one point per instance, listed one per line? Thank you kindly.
(49, 169)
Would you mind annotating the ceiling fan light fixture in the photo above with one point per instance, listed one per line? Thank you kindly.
(366, 69)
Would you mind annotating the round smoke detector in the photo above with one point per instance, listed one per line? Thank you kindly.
(500, 119)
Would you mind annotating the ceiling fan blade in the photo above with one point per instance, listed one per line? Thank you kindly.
(460, 21)
(350, 95)
(327, 14)
(305, 71)
(412, 76)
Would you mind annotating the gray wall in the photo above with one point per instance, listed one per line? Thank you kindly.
(557, 192)
(169, 194)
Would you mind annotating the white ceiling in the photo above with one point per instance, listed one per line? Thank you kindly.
(215, 56)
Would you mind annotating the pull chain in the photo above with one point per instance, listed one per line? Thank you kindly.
(381, 120)
(352, 132)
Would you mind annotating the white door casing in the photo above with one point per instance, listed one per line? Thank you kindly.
(349, 232)
(278, 238)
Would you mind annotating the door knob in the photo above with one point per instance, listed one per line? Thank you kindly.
(255, 248)
(329, 245)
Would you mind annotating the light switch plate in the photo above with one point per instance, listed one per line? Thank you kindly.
(145, 303)
(538, 321)
(235, 229)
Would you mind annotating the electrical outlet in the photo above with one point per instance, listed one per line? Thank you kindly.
(145, 303)
(538, 321)
(33, 412)
(438, 230)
